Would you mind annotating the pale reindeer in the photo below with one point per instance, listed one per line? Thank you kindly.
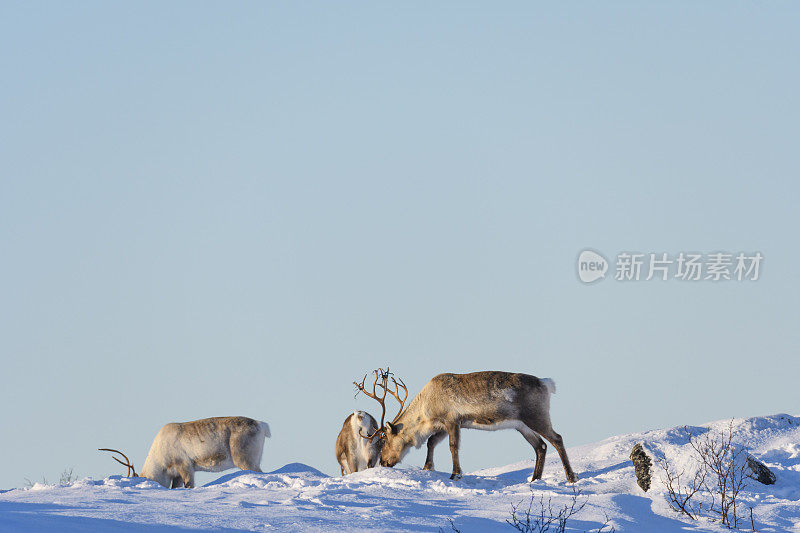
(355, 450)
(207, 445)
(480, 400)
(359, 444)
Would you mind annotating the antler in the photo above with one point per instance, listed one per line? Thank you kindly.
(381, 400)
(127, 462)
(384, 376)
(396, 395)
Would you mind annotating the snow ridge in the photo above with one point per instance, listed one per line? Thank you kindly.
(298, 497)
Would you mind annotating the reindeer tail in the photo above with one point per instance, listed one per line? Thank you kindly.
(549, 384)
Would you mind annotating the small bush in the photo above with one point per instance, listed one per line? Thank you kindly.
(540, 516)
(721, 474)
(67, 476)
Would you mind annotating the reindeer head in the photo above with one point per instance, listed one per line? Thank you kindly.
(395, 444)
(386, 431)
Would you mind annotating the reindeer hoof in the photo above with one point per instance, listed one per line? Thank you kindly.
(427, 467)
(455, 475)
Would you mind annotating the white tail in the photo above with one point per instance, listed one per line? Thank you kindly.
(549, 384)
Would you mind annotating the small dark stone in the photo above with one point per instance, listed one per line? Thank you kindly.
(759, 471)
(642, 464)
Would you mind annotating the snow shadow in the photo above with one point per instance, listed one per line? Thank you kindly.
(291, 468)
(45, 518)
(639, 516)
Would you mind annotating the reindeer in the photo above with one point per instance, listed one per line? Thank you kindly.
(480, 400)
(207, 445)
(355, 450)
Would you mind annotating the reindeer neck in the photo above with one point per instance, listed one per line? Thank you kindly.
(413, 423)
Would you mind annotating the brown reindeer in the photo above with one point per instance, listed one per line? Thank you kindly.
(355, 451)
(480, 400)
(359, 444)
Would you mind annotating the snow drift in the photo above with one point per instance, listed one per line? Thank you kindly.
(300, 498)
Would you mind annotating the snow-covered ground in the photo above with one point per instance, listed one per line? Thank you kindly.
(298, 497)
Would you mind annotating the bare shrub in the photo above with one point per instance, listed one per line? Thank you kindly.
(452, 527)
(726, 464)
(67, 476)
(721, 474)
(29, 484)
(679, 495)
(541, 516)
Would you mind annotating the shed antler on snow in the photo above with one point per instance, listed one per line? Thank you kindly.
(126, 464)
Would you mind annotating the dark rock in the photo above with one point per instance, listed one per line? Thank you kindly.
(643, 465)
(759, 471)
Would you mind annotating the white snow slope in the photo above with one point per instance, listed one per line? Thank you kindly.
(297, 497)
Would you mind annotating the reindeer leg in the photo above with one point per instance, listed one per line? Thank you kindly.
(243, 462)
(455, 440)
(245, 451)
(187, 474)
(352, 463)
(539, 447)
(556, 440)
(434, 439)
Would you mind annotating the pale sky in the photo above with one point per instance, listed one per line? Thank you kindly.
(212, 209)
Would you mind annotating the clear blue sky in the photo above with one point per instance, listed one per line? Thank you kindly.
(212, 209)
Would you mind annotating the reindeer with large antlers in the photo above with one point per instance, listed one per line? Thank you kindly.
(206, 445)
(359, 443)
(481, 400)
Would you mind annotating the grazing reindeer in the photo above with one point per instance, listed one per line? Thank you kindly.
(207, 445)
(480, 400)
(362, 450)
(355, 451)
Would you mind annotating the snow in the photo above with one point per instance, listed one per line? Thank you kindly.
(298, 497)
